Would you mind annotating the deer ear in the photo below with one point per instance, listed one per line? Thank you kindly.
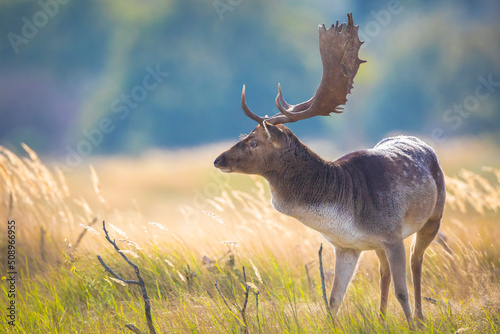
(274, 133)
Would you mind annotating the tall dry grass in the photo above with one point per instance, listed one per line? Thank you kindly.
(183, 254)
(40, 202)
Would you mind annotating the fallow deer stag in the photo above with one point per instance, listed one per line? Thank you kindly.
(366, 200)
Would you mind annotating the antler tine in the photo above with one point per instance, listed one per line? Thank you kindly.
(339, 46)
(276, 119)
(247, 110)
(283, 106)
(350, 21)
(280, 99)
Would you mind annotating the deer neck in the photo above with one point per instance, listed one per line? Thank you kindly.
(304, 180)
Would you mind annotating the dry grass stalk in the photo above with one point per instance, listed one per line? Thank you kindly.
(474, 190)
(40, 198)
(97, 185)
(469, 274)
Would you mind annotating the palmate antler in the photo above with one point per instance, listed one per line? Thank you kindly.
(339, 48)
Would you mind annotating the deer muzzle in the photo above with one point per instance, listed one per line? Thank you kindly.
(221, 163)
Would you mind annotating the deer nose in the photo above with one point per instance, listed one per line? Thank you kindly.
(220, 161)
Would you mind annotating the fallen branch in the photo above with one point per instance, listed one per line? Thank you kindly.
(140, 282)
(323, 289)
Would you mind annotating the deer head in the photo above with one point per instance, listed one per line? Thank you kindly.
(270, 142)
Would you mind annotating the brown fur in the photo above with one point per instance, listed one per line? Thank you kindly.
(368, 199)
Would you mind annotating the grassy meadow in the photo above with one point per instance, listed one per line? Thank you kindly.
(188, 226)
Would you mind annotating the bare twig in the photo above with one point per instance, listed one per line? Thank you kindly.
(43, 231)
(245, 303)
(229, 307)
(309, 279)
(189, 274)
(222, 296)
(247, 291)
(257, 308)
(434, 301)
(80, 237)
(133, 328)
(323, 289)
(243, 309)
(115, 275)
(140, 282)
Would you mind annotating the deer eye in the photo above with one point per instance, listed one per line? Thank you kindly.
(253, 144)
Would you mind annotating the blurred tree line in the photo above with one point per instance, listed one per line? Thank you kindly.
(126, 75)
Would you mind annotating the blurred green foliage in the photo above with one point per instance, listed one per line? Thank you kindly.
(66, 66)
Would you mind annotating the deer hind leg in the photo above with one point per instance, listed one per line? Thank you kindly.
(345, 264)
(397, 261)
(385, 280)
(422, 240)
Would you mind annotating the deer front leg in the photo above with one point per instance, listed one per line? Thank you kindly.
(345, 264)
(397, 261)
